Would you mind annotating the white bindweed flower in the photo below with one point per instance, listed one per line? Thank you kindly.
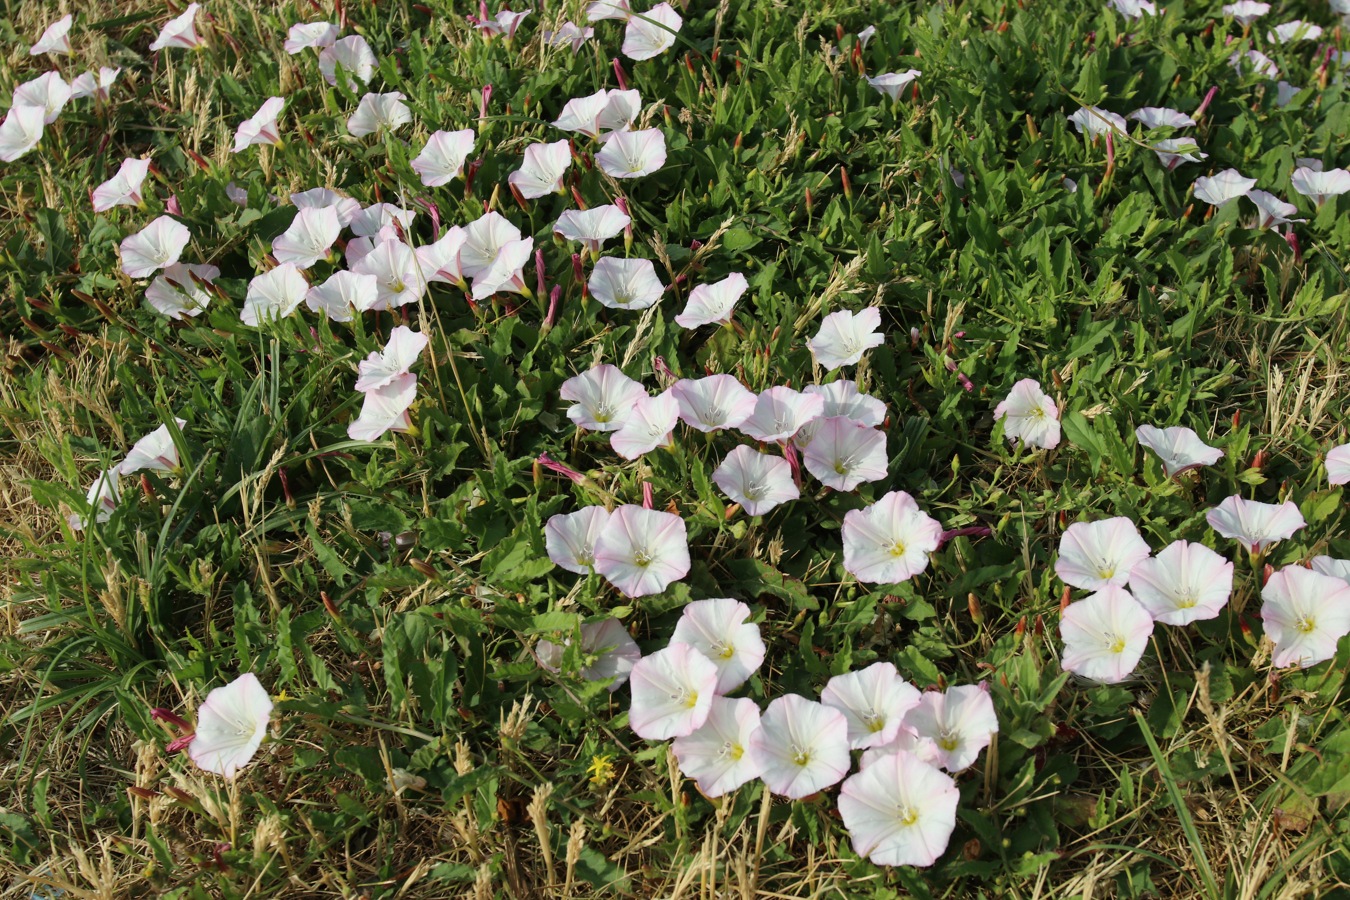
(310, 36)
(316, 198)
(648, 426)
(48, 92)
(484, 239)
(1094, 555)
(440, 259)
(642, 551)
(899, 811)
(21, 131)
(599, 113)
(874, 702)
(155, 452)
(56, 39)
(892, 83)
(844, 337)
(1029, 416)
(1256, 525)
(1179, 449)
(757, 481)
(1271, 210)
(231, 724)
(625, 283)
(1245, 12)
(1319, 186)
(721, 630)
(343, 295)
(261, 127)
(569, 33)
(442, 159)
(592, 226)
(398, 276)
(1223, 188)
(309, 237)
(570, 538)
(1095, 122)
(397, 358)
(102, 498)
(717, 755)
(651, 33)
(88, 84)
(632, 154)
(371, 220)
(1104, 635)
(866, 35)
(505, 22)
(1330, 565)
(124, 188)
(602, 398)
(842, 398)
(710, 304)
(180, 32)
(1285, 93)
(350, 56)
(673, 692)
(906, 739)
(843, 454)
(155, 246)
(543, 169)
(1134, 9)
(1184, 583)
(1305, 614)
(1172, 152)
(609, 650)
(801, 746)
(608, 9)
(274, 295)
(175, 292)
(1161, 117)
(1292, 32)
(1338, 464)
(385, 409)
(889, 541)
(379, 112)
(1258, 61)
(780, 412)
(507, 272)
(713, 403)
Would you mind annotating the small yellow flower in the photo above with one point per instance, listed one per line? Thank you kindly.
(601, 769)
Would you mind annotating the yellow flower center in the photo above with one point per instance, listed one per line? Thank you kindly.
(1116, 643)
(897, 549)
(1307, 624)
(802, 757)
(907, 816)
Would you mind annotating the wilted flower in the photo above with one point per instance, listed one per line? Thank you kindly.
(648, 426)
(780, 412)
(102, 499)
(641, 551)
(48, 92)
(874, 702)
(712, 303)
(1184, 583)
(1338, 464)
(1319, 186)
(179, 32)
(1105, 635)
(309, 237)
(1029, 415)
(899, 811)
(889, 541)
(379, 112)
(757, 481)
(625, 283)
(155, 246)
(1257, 525)
(892, 83)
(155, 452)
(843, 454)
(261, 127)
(714, 402)
(721, 630)
(592, 226)
(1271, 210)
(844, 337)
(801, 746)
(274, 295)
(542, 171)
(611, 650)
(174, 292)
(603, 398)
(124, 188)
(442, 159)
(55, 40)
(673, 691)
(310, 35)
(651, 33)
(1095, 122)
(385, 409)
(351, 55)
(570, 538)
(231, 724)
(343, 294)
(632, 154)
(1305, 613)
(1094, 555)
(1178, 448)
(717, 755)
(21, 131)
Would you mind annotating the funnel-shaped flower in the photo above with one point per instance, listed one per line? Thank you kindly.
(1256, 525)
(1329, 565)
(1223, 188)
(440, 260)
(102, 499)
(1029, 416)
(316, 198)
(56, 39)
(180, 32)
(231, 724)
(400, 354)
(842, 398)
(155, 246)
(369, 221)
(1259, 63)
(1135, 9)
(780, 412)
(714, 402)
(344, 294)
(625, 283)
(721, 630)
(274, 295)
(175, 293)
(1272, 212)
(1338, 464)
(1317, 186)
(543, 169)
(889, 541)
(648, 426)
(154, 453)
(906, 739)
(1175, 151)
(379, 112)
(1093, 555)
(892, 83)
(507, 272)
(570, 538)
(632, 154)
(48, 92)
(1305, 613)
(602, 398)
(1161, 117)
(569, 33)
(124, 188)
(899, 811)
(874, 702)
(351, 57)
(603, 111)
(641, 551)
(717, 756)
(1178, 448)
(442, 159)
(309, 237)
(89, 85)
(310, 35)
(610, 651)
(1105, 635)
(21, 131)
(673, 691)
(398, 277)
(801, 746)
(844, 454)
(1245, 12)
(651, 33)
(844, 337)
(592, 226)
(261, 127)
(1184, 583)
(385, 409)
(608, 9)
(757, 481)
(712, 303)
(1095, 122)
(506, 22)
(1293, 32)
(484, 239)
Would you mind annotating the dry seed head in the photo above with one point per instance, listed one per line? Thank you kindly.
(513, 727)
(463, 759)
